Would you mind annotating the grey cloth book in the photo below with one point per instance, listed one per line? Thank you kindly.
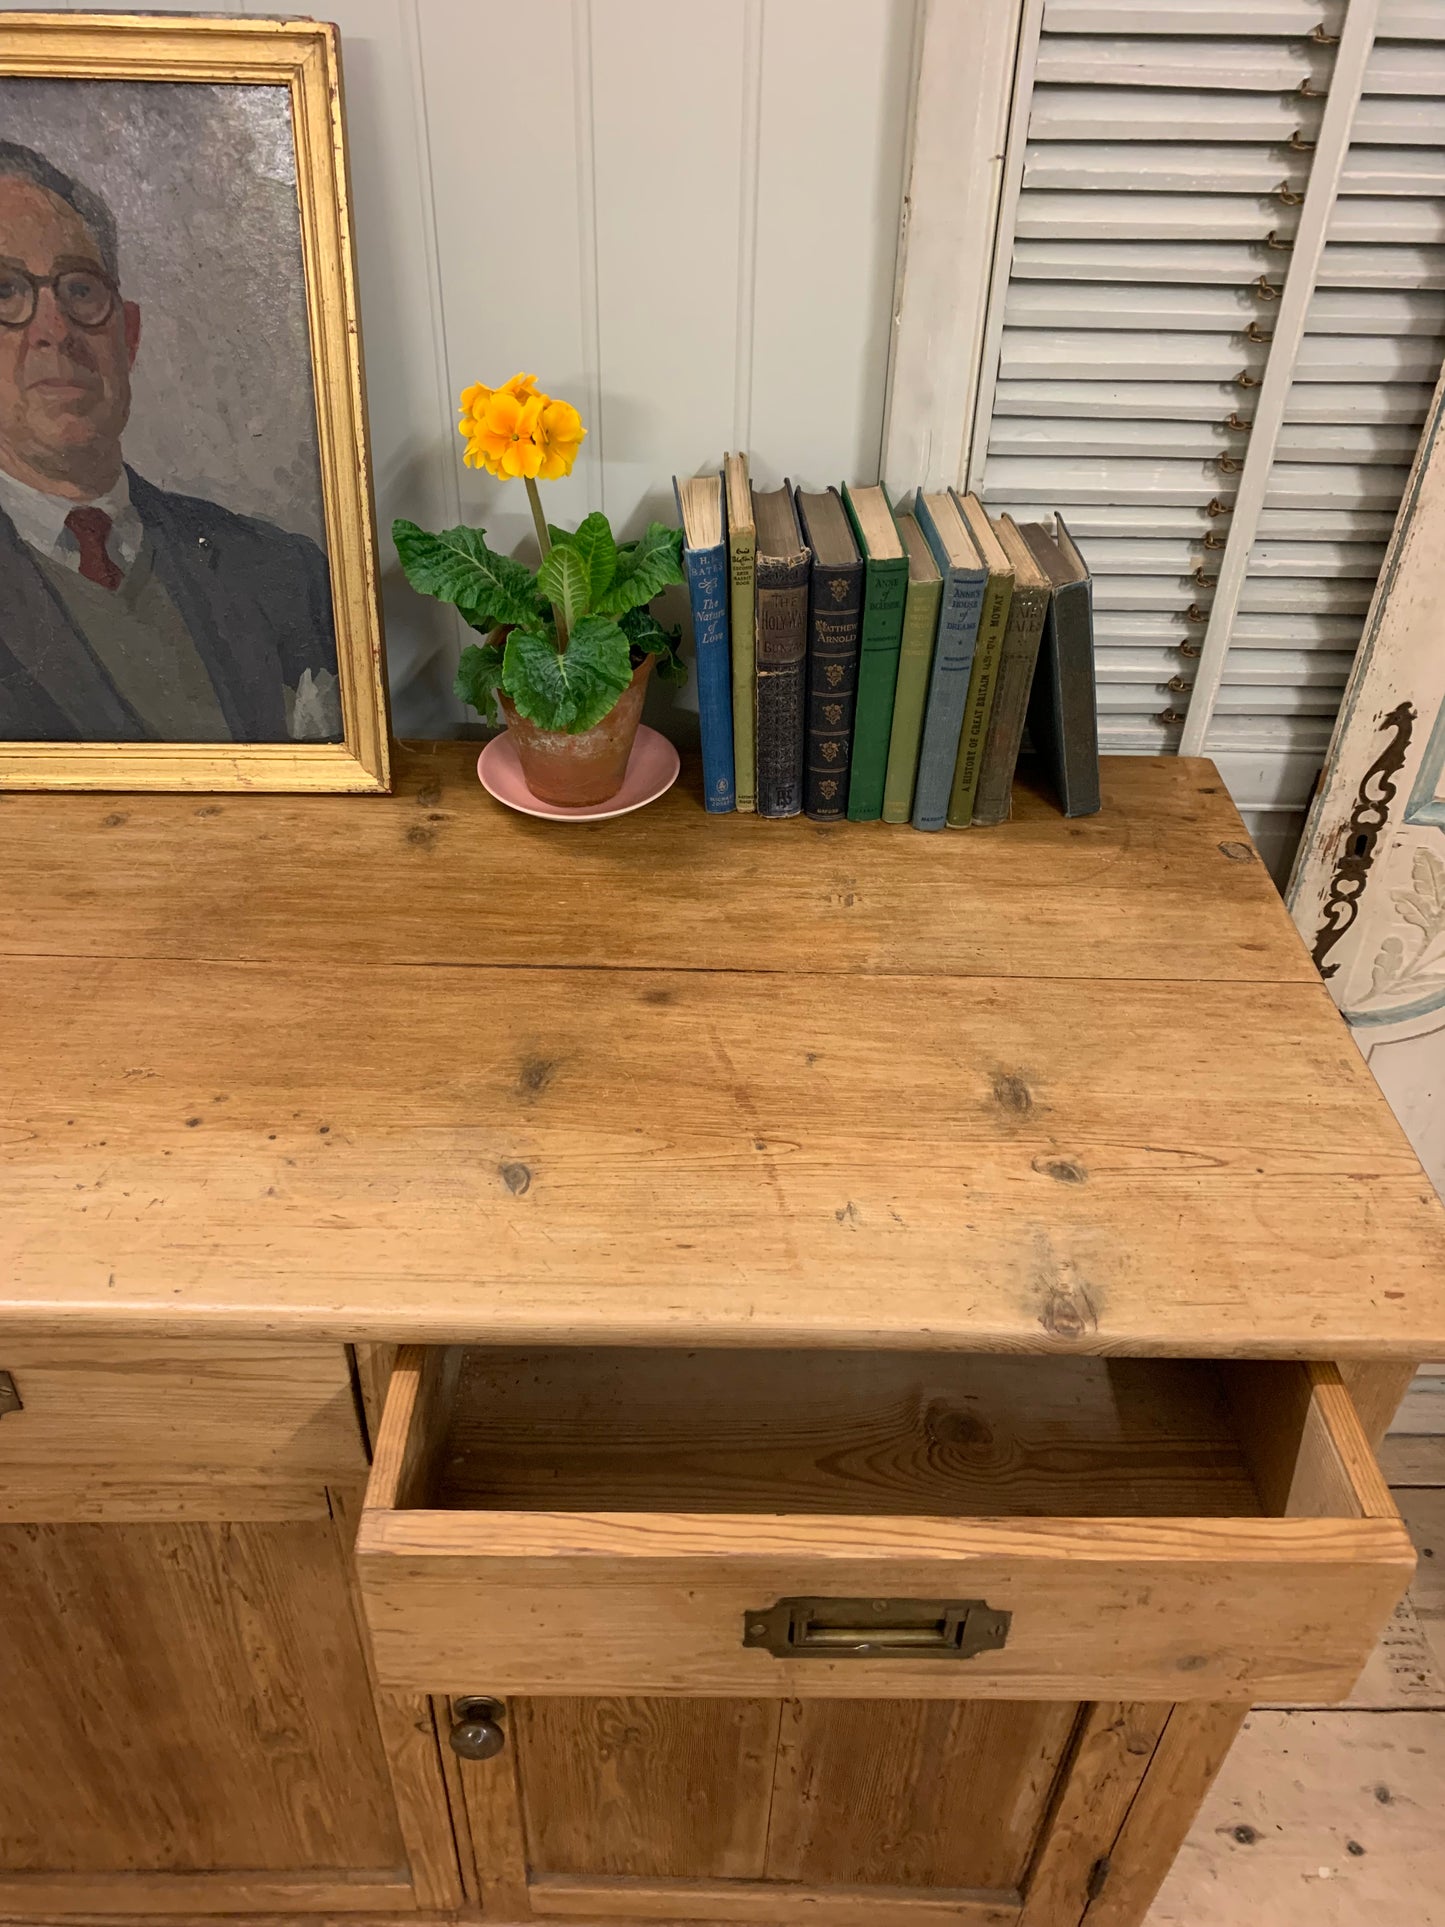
(1063, 720)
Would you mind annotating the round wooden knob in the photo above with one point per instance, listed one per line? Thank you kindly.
(476, 1734)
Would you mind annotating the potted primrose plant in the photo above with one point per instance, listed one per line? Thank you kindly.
(571, 645)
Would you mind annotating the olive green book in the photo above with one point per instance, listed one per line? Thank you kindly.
(921, 603)
(885, 582)
(742, 575)
(993, 615)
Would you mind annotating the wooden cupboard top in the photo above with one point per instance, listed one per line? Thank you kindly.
(412, 1067)
(1163, 884)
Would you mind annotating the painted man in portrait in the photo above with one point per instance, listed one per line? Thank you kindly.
(127, 613)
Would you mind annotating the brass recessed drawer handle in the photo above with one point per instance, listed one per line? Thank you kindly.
(10, 1399)
(876, 1628)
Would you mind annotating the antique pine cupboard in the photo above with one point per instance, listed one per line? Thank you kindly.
(682, 1370)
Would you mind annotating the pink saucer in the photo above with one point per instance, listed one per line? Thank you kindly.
(651, 772)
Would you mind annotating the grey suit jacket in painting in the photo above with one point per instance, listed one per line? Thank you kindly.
(256, 600)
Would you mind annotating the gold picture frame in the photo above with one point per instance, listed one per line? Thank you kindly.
(302, 56)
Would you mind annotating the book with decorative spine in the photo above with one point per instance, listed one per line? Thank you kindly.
(704, 563)
(782, 648)
(835, 608)
(994, 796)
(964, 576)
(915, 663)
(1063, 717)
(742, 552)
(885, 583)
(983, 677)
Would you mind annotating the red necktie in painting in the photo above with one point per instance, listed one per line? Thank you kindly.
(91, 528)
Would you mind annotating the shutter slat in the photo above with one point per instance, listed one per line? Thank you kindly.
(1266, 66)
(1088, 520)
(1221, 168)
(1396, 68)
(1320, 596)
(1234, 263)
(1353, 561)
(1310, 442)
(1123, 115)
(1099, 354)
(1300, 630)
(1325, 669)
(1046, 214)
(1294, 19)
(1269, 736)
(1343, 402)
(1068, 304)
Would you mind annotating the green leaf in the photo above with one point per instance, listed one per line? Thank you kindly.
(644, 631)
(479, 676)
(593, 542)
(563, 579)
(457, 566)
(572, 691)
(643, 568)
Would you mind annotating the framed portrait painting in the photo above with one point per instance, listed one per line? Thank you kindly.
(187, 551)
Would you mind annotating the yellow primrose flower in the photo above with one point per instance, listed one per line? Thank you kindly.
(559, 434)
(515, 430)
(475, 402)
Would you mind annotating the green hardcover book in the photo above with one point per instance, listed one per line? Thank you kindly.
(998, 594)
(915, 663)
(885, 585)
(742, 566)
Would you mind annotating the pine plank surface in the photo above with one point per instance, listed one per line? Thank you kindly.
(415, 1068)
(187, 1699)
(618, 1157)
(1163, 883)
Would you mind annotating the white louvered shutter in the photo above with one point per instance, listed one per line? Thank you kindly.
(1161, 176)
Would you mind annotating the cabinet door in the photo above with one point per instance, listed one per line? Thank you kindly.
(839, 1812)
(188, 1724)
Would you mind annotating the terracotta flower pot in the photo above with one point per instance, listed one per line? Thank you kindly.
(588, 767)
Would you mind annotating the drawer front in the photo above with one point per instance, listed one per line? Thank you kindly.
(139, 1427)
(1285, 1606)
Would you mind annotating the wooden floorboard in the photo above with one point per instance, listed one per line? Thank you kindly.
(1330, 1816)
(1318, 1820)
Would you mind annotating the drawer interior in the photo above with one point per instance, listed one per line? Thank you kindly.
(866, 1433)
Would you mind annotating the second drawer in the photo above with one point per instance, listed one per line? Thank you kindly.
(857, 1524)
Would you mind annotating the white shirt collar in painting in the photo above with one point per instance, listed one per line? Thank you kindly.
(40, 520)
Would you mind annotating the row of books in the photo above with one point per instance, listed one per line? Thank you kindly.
(853, 662)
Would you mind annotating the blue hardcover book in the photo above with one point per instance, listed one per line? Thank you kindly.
(965, 576)
(705, 564)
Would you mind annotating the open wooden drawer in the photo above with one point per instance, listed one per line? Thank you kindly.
(855, 1524)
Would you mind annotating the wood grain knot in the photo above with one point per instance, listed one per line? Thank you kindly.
(1011, 1093)
(535, 1075)
(1237, 852)
(429, 795)
(1062, 1170)
(516, 1177)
